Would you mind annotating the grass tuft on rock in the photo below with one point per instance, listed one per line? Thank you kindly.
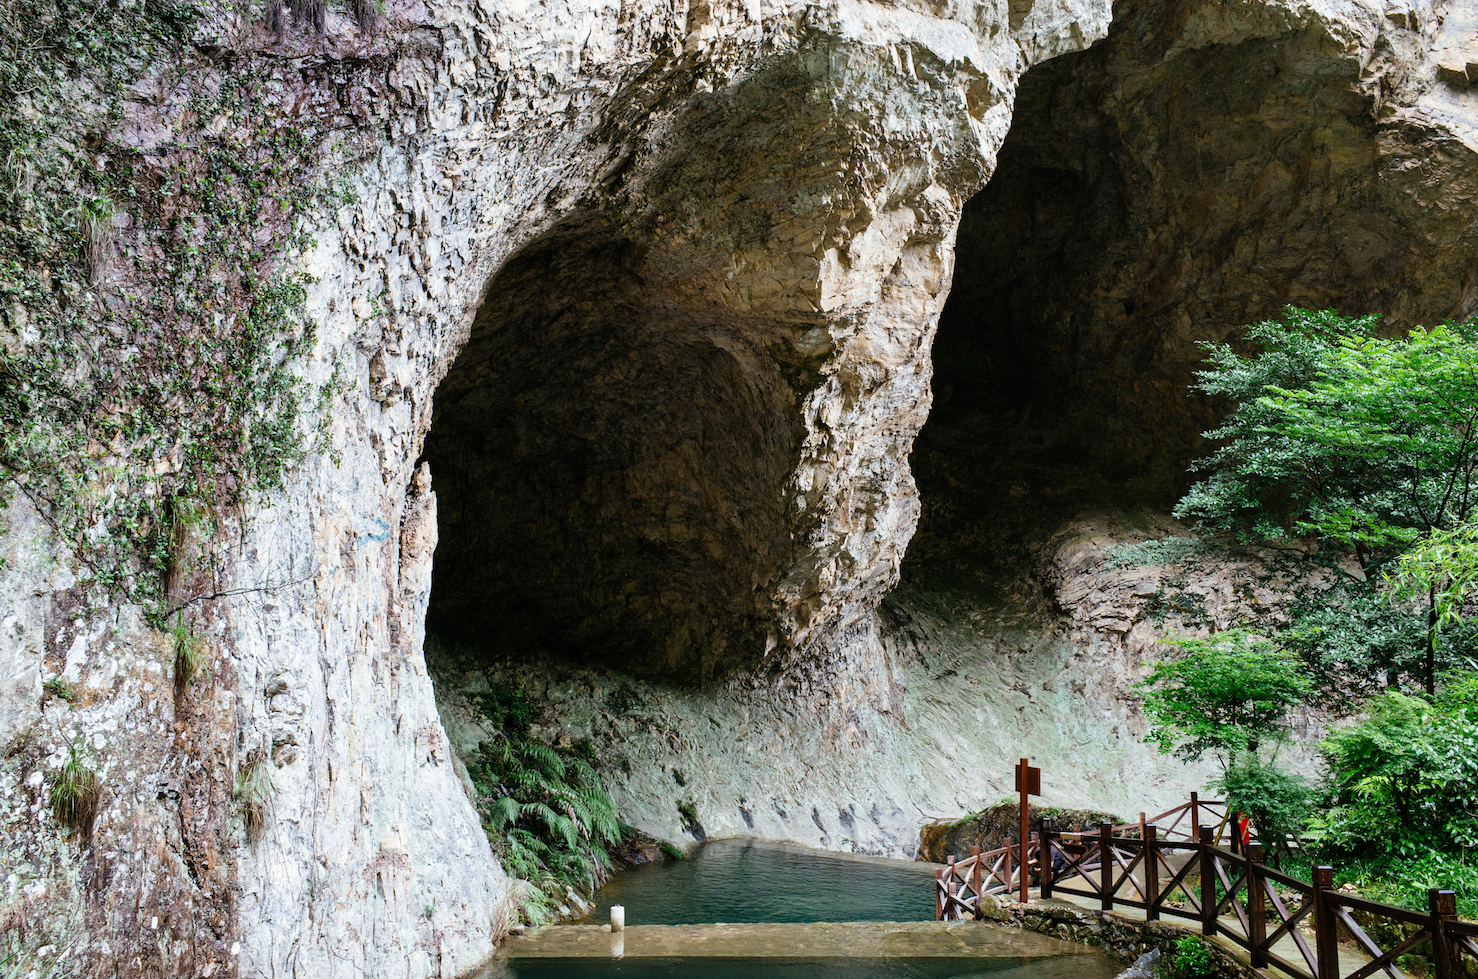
(254, 785)
(189, 656)
(76, 793)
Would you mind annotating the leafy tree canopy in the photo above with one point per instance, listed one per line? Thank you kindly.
(1443, 570)
(1369, 443)
(1227, 694)
(1365, 441)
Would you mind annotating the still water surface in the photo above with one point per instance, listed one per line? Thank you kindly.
(753, 882)
(1075, 967)
(749, 881)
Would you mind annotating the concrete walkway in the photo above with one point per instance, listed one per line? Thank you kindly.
(963, 940)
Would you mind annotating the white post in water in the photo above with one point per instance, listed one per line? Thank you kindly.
(618, 917)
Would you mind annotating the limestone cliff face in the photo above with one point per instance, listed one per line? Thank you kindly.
(583, 201)
(661, 282)
(678, 431)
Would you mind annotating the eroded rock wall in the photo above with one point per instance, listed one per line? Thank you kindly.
(960, 686)
(770, 194)
(793, 168)
(678, 434)
(1202, 167)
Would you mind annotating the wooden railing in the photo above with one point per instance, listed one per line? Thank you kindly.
(1188, 815)
(1280, 920)
(998, 871)
(959, 884)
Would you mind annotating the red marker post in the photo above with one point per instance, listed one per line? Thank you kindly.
(1028, 783)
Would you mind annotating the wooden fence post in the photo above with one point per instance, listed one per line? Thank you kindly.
(975, 880)
(1257, 907)
(1195, 816)
(1045, 830)
(1207, 853)
(949, 875)
(1443, 907)
(1106, 865)
(939, 894)
(1326, 935)
(1151, 872)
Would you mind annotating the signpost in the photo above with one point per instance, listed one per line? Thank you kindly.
(1028, 783)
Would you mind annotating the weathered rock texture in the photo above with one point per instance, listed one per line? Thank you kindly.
(740, 216)
(1199, 169)
(995, 826)
(678, 433)
(1120, 935)
(694, 255)
(961, 686)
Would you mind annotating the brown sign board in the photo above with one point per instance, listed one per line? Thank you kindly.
(1033, 784)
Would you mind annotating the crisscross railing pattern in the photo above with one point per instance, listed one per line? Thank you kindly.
(1187, 817)
(1283, 922)
(1463, 936)
(959, 884)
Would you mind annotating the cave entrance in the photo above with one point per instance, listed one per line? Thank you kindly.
(609, 462)
(1156, 190)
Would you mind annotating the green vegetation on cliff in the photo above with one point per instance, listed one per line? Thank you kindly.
(545, 810)
(152, 320)
(1340, 442)
(1359, 443)
(1227, 694)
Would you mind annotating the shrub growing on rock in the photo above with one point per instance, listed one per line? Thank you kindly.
(1404, 781)
(75, 793)
(1277, 802)
(1192, 958)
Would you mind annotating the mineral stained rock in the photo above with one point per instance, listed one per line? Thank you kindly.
(668, 277)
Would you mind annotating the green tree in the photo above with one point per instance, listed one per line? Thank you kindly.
(1340, 435)
(1356, 639)
(1228, 694)
(1442, 571)
(1277, 801)
(1404, 781)
(1257, 486)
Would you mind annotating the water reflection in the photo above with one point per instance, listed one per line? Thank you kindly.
(1071, 967)
(770, 895)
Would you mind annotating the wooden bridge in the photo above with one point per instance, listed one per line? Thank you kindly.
(1235, 895)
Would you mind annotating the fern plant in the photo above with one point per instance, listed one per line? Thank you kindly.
(543, 806)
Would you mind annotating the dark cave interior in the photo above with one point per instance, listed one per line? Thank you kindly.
(611, 465)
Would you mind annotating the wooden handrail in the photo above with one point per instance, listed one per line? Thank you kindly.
(1239, 896)
(1376, 908)
(992, 872)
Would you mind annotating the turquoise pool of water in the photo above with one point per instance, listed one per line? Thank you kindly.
(803, 968)
(766, 895)
(750, 881)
